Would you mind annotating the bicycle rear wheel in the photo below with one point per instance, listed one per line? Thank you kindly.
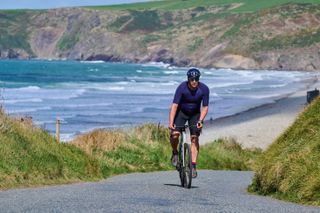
(187, 167)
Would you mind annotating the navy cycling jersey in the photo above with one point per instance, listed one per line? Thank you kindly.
(189, 101)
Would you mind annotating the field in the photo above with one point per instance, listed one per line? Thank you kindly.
(244, 5)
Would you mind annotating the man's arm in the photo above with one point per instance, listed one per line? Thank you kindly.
(204, 112)
(172, 114)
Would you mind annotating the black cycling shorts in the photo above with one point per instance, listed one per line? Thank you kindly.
(181, 119)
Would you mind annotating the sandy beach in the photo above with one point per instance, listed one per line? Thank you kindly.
(259, 127)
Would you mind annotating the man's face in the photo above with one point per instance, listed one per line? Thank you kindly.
(193, 82)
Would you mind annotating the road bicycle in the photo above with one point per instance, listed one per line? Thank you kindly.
(184, 164)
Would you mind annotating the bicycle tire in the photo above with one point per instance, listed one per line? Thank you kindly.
(180, 166)
(187, 168)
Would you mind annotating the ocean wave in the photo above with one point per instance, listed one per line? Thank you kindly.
(226, 84)
(208, 73)
(171, 72)
(86, 105)
(93, 62)
(94, 70)
(156, 64)
(26, 110)
(277, 85)
(14, 101)
(170, 83)
(28, 88)
(114, 88)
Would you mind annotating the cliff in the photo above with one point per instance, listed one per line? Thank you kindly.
(282, 37)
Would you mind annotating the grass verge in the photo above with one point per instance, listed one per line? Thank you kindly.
(30, 156)
(290, 168)
(146, 148)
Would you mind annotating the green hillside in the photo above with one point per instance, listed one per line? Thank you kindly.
(290, 168)
(12, 34)
(244, 5)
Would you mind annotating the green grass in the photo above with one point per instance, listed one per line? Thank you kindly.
(147, 148)
(137, 20)
(304, 38)
(290, 168)
(12, 35)
(196, 44)
(247, 5)
(68, 41)
(30, 156)
(227, 155)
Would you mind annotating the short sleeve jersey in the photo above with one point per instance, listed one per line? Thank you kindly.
(189, 101)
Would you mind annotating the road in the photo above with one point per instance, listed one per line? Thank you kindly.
(212, 191)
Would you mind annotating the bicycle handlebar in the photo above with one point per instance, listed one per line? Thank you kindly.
(186, 126)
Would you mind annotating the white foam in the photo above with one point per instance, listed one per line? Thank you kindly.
(14, 101)
(29, 88)
(93, 62)
(208, 73)
(25, 110)
(115, 88)
(156, 64)
(86, 105)
(171, 72)
(94, 70)
(278, 85)
(36, 93)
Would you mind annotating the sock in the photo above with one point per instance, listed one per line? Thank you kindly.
(194, 164)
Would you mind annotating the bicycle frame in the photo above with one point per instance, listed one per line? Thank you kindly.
(183, 140)
(184, 165)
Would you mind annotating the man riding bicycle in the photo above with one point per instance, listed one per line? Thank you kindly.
(186, 106)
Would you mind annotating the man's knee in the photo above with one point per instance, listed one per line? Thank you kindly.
(194, 138)
(174, 135)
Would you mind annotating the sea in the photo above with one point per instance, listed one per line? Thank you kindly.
(85, 95)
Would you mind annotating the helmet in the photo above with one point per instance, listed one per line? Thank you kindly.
(193, 73)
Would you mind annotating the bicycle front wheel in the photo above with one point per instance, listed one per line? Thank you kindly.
(187, 166)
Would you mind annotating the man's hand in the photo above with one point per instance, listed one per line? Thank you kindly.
(200, 124)
(172, 126)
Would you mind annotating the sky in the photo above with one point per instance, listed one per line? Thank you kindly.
(46, 4)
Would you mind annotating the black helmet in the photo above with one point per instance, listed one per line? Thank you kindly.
(193, 73)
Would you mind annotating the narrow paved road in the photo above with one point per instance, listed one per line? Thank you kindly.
(213, 191)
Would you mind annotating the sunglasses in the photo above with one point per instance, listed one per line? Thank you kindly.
(194, 79)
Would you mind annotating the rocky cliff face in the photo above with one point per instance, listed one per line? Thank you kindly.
(282, 38)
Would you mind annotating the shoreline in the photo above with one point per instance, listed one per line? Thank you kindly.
(127, 61)
(258, 127)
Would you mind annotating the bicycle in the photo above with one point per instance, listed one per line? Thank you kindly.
(184, 164)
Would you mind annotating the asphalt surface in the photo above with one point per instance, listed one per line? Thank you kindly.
(212, 191)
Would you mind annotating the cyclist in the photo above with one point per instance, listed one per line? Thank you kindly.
(186, 106)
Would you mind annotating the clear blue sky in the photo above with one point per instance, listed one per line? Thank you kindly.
(45, 4)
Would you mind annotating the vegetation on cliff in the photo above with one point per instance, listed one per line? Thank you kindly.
(290, 168)
(243, 34)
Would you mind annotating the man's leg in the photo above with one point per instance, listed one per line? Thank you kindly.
(179, 121)
(174, 140)
(194, 148)
(194, 135)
